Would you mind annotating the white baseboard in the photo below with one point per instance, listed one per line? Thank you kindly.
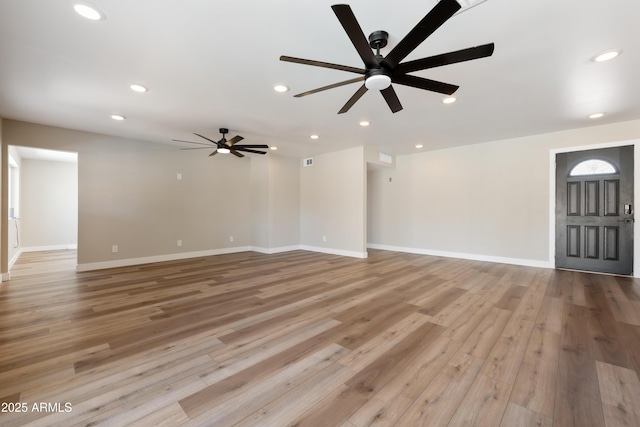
(474, 257)
(158, 258)
(275, 250)
(331, 251)
(185, 255)
(15, 258)
(48, 248)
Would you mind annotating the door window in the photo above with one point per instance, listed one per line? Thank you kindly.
(593, 167)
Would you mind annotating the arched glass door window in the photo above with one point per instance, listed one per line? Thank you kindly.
(593, 167)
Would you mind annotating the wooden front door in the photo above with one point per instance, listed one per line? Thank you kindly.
(594, 210)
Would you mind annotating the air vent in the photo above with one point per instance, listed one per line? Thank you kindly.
(307, 162)
(385, 158)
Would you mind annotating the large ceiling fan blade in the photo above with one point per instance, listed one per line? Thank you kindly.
(353, 99)
(235, 153)
(197, 134)
(233, 140)
(426, 84)
(322, 64)
(198, 148)
(441, 12)
(248, 150)
(356, 35)
(331, 86)
(391, 97)
(191, 142)
(251, 146)
(214, 153)
(462, 55)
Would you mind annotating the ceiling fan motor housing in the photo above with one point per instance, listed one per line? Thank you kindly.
(378, 39)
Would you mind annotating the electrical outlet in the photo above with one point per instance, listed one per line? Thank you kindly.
(179, 243)
(231, 238)
(179, 176)
(114, 248)
(324, 238)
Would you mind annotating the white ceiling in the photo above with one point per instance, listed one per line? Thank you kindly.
(211, 64)
(48, 155)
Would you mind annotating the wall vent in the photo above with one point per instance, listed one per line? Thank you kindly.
(307, 162)
(385, 158)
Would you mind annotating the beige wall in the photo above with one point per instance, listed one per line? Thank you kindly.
(489, 200)
(48, 204)
(332, 203)
(284, 201)
(129, 195)
(486, 200)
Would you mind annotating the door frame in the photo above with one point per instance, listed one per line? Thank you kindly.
(552, 195)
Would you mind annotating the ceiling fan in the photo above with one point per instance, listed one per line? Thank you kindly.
(226, 146)
(380, 72)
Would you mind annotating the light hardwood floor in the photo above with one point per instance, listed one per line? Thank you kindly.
(309, 339)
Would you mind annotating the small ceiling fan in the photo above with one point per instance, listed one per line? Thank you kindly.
(226, 146)
(380, 72)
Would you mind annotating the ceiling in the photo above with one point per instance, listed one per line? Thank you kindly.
(211, 64)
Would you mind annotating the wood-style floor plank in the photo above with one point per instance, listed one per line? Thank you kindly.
(309, 339)
(620, 394)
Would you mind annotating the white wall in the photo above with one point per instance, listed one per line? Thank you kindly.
(485, 201)
(15, 225)
(332, 203)
(49, 204)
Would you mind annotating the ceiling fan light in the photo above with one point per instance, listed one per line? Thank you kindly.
(378, 82)
(224, 150)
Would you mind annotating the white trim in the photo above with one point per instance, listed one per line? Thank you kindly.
(474, 257)
(158, 258)
(5, 277)
(552, 195)
(270, 251)
(13, 260)
(340, 252)
(185, 255)
(48, 248)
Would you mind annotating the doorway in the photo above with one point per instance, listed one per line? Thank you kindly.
(43, 202)
(594, 210)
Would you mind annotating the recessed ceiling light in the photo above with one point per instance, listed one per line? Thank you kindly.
(89, 12)
(281, 88)
(138, 88)
(273, 148)
(419, 145)
(118, 117)
(449, 100)
(606, 55)
(314, 137)
(596, 115)
(364, 123)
